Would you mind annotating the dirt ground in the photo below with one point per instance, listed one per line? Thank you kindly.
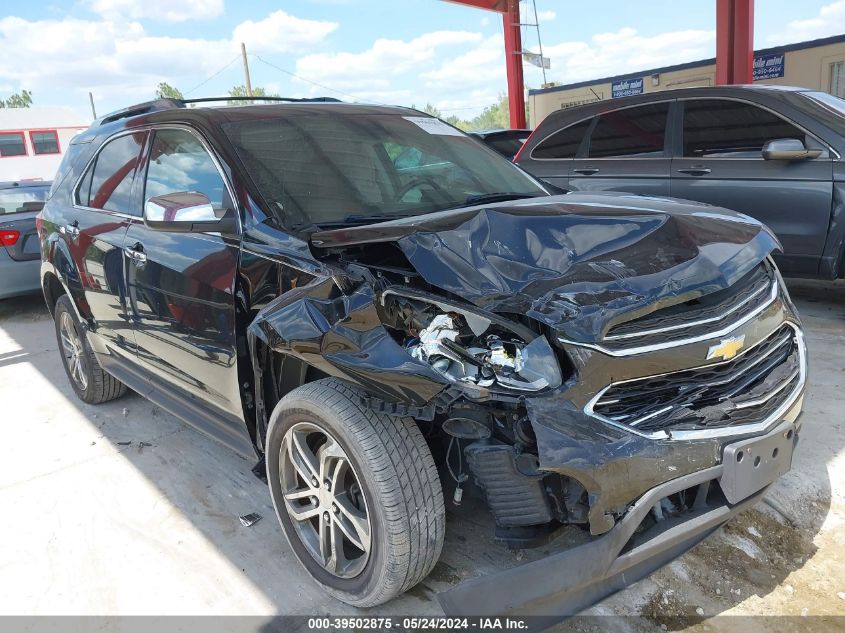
(122, 509)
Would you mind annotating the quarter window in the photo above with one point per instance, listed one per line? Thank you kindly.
(179, 163)
(46, 142)
(108, 182)
(630, 133)
(12, 144)
(731, 129)
(562, 144)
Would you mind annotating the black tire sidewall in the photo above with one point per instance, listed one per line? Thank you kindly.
(283, 418)
(63, 304)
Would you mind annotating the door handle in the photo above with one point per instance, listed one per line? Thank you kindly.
(586, 171)
(71, 229)
(136, 254)
(695, 170)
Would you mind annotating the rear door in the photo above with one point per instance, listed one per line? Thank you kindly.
(94, 231)
(181, 285)
(626, 150)
(720, 162)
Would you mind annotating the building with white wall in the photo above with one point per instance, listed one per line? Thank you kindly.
(33, 140)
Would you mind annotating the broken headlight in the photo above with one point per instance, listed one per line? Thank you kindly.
(470, 347)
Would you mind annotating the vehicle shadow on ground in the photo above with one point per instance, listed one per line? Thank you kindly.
(211, 486)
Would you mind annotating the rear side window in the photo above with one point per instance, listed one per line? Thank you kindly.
(562, 144)
(12, 144)
(718, 128)
(630, 133)
(179, 164)
(108, 182)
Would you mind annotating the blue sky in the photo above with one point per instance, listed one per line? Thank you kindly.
(399, 51)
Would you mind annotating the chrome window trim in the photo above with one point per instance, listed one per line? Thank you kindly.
(741, 429)
(632, 351)
(671, 328)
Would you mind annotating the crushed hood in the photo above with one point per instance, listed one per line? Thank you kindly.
(578, 263)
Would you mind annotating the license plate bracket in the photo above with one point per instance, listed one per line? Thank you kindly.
(752, 464)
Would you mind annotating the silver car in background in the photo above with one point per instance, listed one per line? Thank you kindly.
(20, 255)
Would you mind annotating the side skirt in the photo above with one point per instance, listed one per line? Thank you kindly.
(223, 427)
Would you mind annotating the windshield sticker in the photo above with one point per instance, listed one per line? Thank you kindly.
(433, 126)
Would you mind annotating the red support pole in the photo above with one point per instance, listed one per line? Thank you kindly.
(734, 41)
(513, 65)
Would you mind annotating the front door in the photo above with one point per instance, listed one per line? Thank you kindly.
(721, 163)
(181, 285)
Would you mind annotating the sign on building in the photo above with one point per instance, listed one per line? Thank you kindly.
(768, 66)
(626, 87)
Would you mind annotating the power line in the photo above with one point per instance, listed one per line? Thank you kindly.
(207, 79)
(319, 85)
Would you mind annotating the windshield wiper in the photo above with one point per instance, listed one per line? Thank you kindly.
(499, 196)
(360, 219)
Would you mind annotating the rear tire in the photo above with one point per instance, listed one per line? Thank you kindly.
(89, 381)
(400, 503)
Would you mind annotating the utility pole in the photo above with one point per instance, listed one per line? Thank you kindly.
(93, 109)
(246, 71)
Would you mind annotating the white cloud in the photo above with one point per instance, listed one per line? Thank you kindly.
(485, 21)
(546, 16)
(280, 32)
(119, 60)
(378, 67)
(625, 51)
(829, 21)
(164, 10)
(484, 64)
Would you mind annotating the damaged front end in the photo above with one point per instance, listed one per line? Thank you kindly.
(570, 363)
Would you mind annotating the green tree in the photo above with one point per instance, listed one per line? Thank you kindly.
(166, 91)
(240, 91)
(22, 99)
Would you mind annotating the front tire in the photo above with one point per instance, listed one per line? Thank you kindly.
(356, 492)
(89, 381)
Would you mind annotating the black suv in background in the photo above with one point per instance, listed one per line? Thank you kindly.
(385, 313)
(771, 152)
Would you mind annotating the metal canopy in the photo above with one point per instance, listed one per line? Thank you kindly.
(734, 46)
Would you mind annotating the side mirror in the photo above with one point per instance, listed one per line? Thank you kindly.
(788, 149)
(183, 212)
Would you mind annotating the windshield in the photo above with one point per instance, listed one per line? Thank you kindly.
(342, 168)
(834, 103)
(22, 199)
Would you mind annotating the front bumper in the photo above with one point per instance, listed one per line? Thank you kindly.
(563, 584)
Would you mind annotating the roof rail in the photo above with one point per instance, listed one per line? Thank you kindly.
(169, 104)
(141, 108)
(263, 98)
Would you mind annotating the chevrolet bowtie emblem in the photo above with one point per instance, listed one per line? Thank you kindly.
(726, 349)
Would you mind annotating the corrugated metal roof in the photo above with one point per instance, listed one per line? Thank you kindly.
(38, 117)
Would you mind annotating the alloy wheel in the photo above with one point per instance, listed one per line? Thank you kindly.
(73, 351)
(323, 497)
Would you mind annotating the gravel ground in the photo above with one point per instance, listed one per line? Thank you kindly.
(122, 509)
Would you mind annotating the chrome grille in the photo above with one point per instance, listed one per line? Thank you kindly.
(743, 390)
(698, 316)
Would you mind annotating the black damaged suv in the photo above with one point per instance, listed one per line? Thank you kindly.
(385, 314)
